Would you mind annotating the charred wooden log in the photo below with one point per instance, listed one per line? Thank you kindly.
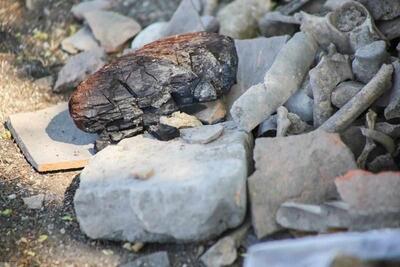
(128, 95)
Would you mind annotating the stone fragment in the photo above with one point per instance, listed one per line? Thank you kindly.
(269, 127)
(203, 134)
(181, 202)
(309, 178)
(282, 121)
(360, 102)
(238, 19)
(255, 58)
(335, 4)
(78, 68)
(34, 202)
(53, 131)
(344, 92)
(369, 193)
(185, 19)
(301, 104)
(393, 130)
(214, 111)
(180, 120)
(149, 34)
(368, 60)
(275, 24)
(382, 10)
(354, 139)
(80, 9)
(382, 163)
(104, 24)
(157, 259)
(164, 132)
(393, 108)
(222, 253)
(390, 28)
(330, 71)
(82, 40)
(320, 251)
(210, 23)
(281, 81)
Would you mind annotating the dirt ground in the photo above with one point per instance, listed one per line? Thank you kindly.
(30, 49)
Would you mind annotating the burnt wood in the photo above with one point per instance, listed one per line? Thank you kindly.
(125, 97)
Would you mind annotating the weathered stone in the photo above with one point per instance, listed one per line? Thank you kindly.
(34, 202)
(255, 58)
(301, 104)
(393, 108)
(368, 193)
(275, 24)
(157, 259)
(390, 28)
(78, 68)
(111, 29)
(203, 134)
(213, 112)
(306, 178)
(52, 129)
(82, 40)
(222, 253)
(354, 139)
(180, 120)
(393, 130)
(80, 9)
(320, 251)
(368, 60)
(382, 163)
(344, 92)
(269, 127)
(185, 19)
(181, 201)
(210, 23)
(149, 34)
(384, 9)
(239, 18)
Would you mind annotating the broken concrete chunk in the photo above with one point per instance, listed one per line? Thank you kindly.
(34, 202)
(185, 19)
(180, 120)
(80, 9)
(66, 146)
(368, 60)
(104, 25)
(149, 34)
(360, 102)
(369, 193)
(344, 92)
(203, 134)
(157, 259)
(82, 40)
(176, 203)
(320, 251)
(215, 111)
(309, 178)
(281, 81)
(78, 68)
(393, 108)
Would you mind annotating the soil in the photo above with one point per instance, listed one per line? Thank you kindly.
(30, 49)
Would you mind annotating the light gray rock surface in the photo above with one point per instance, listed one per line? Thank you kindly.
(210, 23)
(181, 201)
(77, 68)
(344, 92)
(203, 134)
(34, 202)
(157, 259)
(222, 253)
(111, 29)
(82, 40)
(149, 34)
(80, 9)
(301, 167)
(320, 251)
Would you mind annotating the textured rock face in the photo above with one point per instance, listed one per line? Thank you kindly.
(301, 168)
(180, 199)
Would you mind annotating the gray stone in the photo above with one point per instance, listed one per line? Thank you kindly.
(302, 105)
(45, 83)
(238, 19)
(111, 29)
(368, 193)
(382, 163)
(393, 108)
(80, 9)
(77, 68)
(344, 92)
(214, 111)
(282, 174)
(269, 127)
(202, 135)
(335, 4)
(393, 130)
(34, 202)
(157, 259)
(149, 34)
(368, 60)
(320, 251)
(52, 141)
(222, 253)
(382, 10)
(181, 201)
(210, 23)
(275, 24)
(390, 28)
(185, 19)
(82, 40)
(255, 58)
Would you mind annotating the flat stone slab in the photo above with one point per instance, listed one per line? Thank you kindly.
(49, 139)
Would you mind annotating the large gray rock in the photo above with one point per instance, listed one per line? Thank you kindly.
(77, 68)
(320, 251)
(301, 167)
(111, 29)
(181, 197)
